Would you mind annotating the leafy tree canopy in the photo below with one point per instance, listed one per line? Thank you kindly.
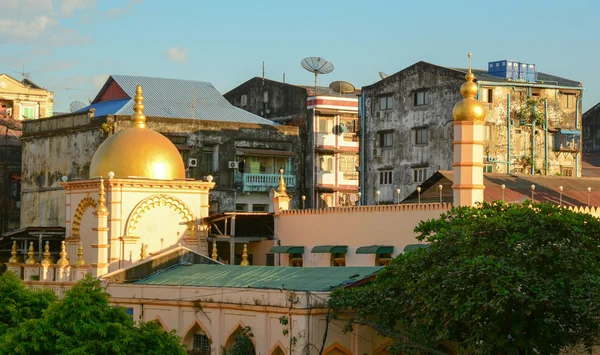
(500, 278)
(84, 322)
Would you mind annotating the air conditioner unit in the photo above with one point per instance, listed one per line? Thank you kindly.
(192, 162)
(232, 164)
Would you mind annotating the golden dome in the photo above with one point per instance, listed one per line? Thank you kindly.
(138, 151)
(469, 108)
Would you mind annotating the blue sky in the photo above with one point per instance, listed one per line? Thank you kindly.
(78, 43)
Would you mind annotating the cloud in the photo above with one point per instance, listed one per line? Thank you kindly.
(176, 54)
(14, 30)
(68, 7)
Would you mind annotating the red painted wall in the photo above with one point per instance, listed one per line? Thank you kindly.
(113, 92)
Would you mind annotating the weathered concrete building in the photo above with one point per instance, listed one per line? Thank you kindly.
(591, 130)
(328, 124)
(240, 152)
(408, 126)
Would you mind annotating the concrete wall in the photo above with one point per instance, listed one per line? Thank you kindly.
(591, 130)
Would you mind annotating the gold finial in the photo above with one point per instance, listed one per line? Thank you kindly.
(245, 261)
(143, 252)
(47, 261)
(281, 189)
(63, 261)
(215, 256)
(80, 261)
(13, 254)
(101, 200)
(30, 259)
(469, 108)
(138, 119)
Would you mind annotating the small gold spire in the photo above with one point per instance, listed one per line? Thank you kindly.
(138, 119)
(143, 252)
(245, 261)
(47, 261)
(80, 261)
(281, 189)
(30, 259)
(101, 200)
(63, 261)
(469, 108)
(215, 256)
(13, 258)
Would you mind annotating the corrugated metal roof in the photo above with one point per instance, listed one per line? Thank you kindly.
(176, 98)
(375, 249)
(104, 108)
(265, 277)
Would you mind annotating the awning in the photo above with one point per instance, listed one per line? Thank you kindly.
(330, 249)
(287, 249)
(375, 249)
(570, 131)
(410, 247)
(265, 152)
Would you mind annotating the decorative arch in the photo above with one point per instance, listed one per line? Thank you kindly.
(159, 320)
(278, 346)
(336, 346)
(381, 349)
(156, 201)
(193, 325)
(84, 204)
(239, 325)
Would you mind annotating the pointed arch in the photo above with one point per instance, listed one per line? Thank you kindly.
(159, 320)
(83, 205)
(191, 330)
(231, 336)
(381, 349)
(336, 346)
(278, 349)
(156, 201)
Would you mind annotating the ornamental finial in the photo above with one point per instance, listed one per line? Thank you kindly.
(80, 261)
(47, 261)
(245, 261)
(138, 118)
(215, 256)
(13, 254)
(30, 259)
(63, 261)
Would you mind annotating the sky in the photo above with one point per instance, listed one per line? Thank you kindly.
(71, 46)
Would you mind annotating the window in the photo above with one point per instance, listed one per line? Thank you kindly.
(28, 112)
(488, 168)
(296, 260)
(386, 139)
(241, 207)
(326, 163)
(208, 157)
(487, 132)
(486, 95)
(385, 177)
(419, 175)
(325, 124)
(385, 102)
(260, 208)
(201, 344)
(338, 259)
(568, 100)
(265, 96)
(421, 98)
(347, 163)
(566, 171)
(421, 136)
(244, 100)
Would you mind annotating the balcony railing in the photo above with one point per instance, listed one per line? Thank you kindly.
(262, 182)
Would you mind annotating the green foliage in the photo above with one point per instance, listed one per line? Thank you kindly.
(500, 278)
(84, 322)
(18, 303)
(243, 343)
(530, 112)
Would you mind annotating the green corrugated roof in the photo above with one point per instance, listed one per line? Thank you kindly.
(410, 247)
(329, 249)
(265, 277)
(287, 249)
(375, 249)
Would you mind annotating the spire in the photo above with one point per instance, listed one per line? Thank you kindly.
(245, 261)
(13, 258)
(143, 251)
(215, 256)
(63, 261)
(281, 189)
(47, 261)
(138, 119)
(30, 259)
(101, 200)
(80, 261)
(469, 108)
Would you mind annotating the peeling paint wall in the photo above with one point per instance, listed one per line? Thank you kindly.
(65, 145)
(422, 135)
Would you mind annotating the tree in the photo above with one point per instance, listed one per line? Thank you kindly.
(500, 278)
(84, 322)
(18, 303)
(243, 343)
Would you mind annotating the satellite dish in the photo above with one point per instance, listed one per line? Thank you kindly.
(341, 87)
(317, 65)
(383, 75)
(76, 106)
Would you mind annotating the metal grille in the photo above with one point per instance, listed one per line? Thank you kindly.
(201, 344)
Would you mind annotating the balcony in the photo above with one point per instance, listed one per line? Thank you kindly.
(262, 182)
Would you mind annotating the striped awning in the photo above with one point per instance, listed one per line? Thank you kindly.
(410, 247)
(287, 249)
(375, 249)
(329, 249)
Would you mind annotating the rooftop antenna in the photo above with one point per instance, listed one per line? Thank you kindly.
(383, 75)
(341, 87)
(70, 90)
(24, 74)
(76, 106)
(317, 65)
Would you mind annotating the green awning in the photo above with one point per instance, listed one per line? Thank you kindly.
(287, 249)
(410, 247)
(330, 249)
(375, 249)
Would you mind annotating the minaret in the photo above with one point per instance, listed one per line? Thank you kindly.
(281, 200)
(469, 135)
(100, 265)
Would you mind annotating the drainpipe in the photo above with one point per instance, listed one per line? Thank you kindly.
(577, 127)
(546, 133)
(533, 144)
(362, 149)
(509, 125)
